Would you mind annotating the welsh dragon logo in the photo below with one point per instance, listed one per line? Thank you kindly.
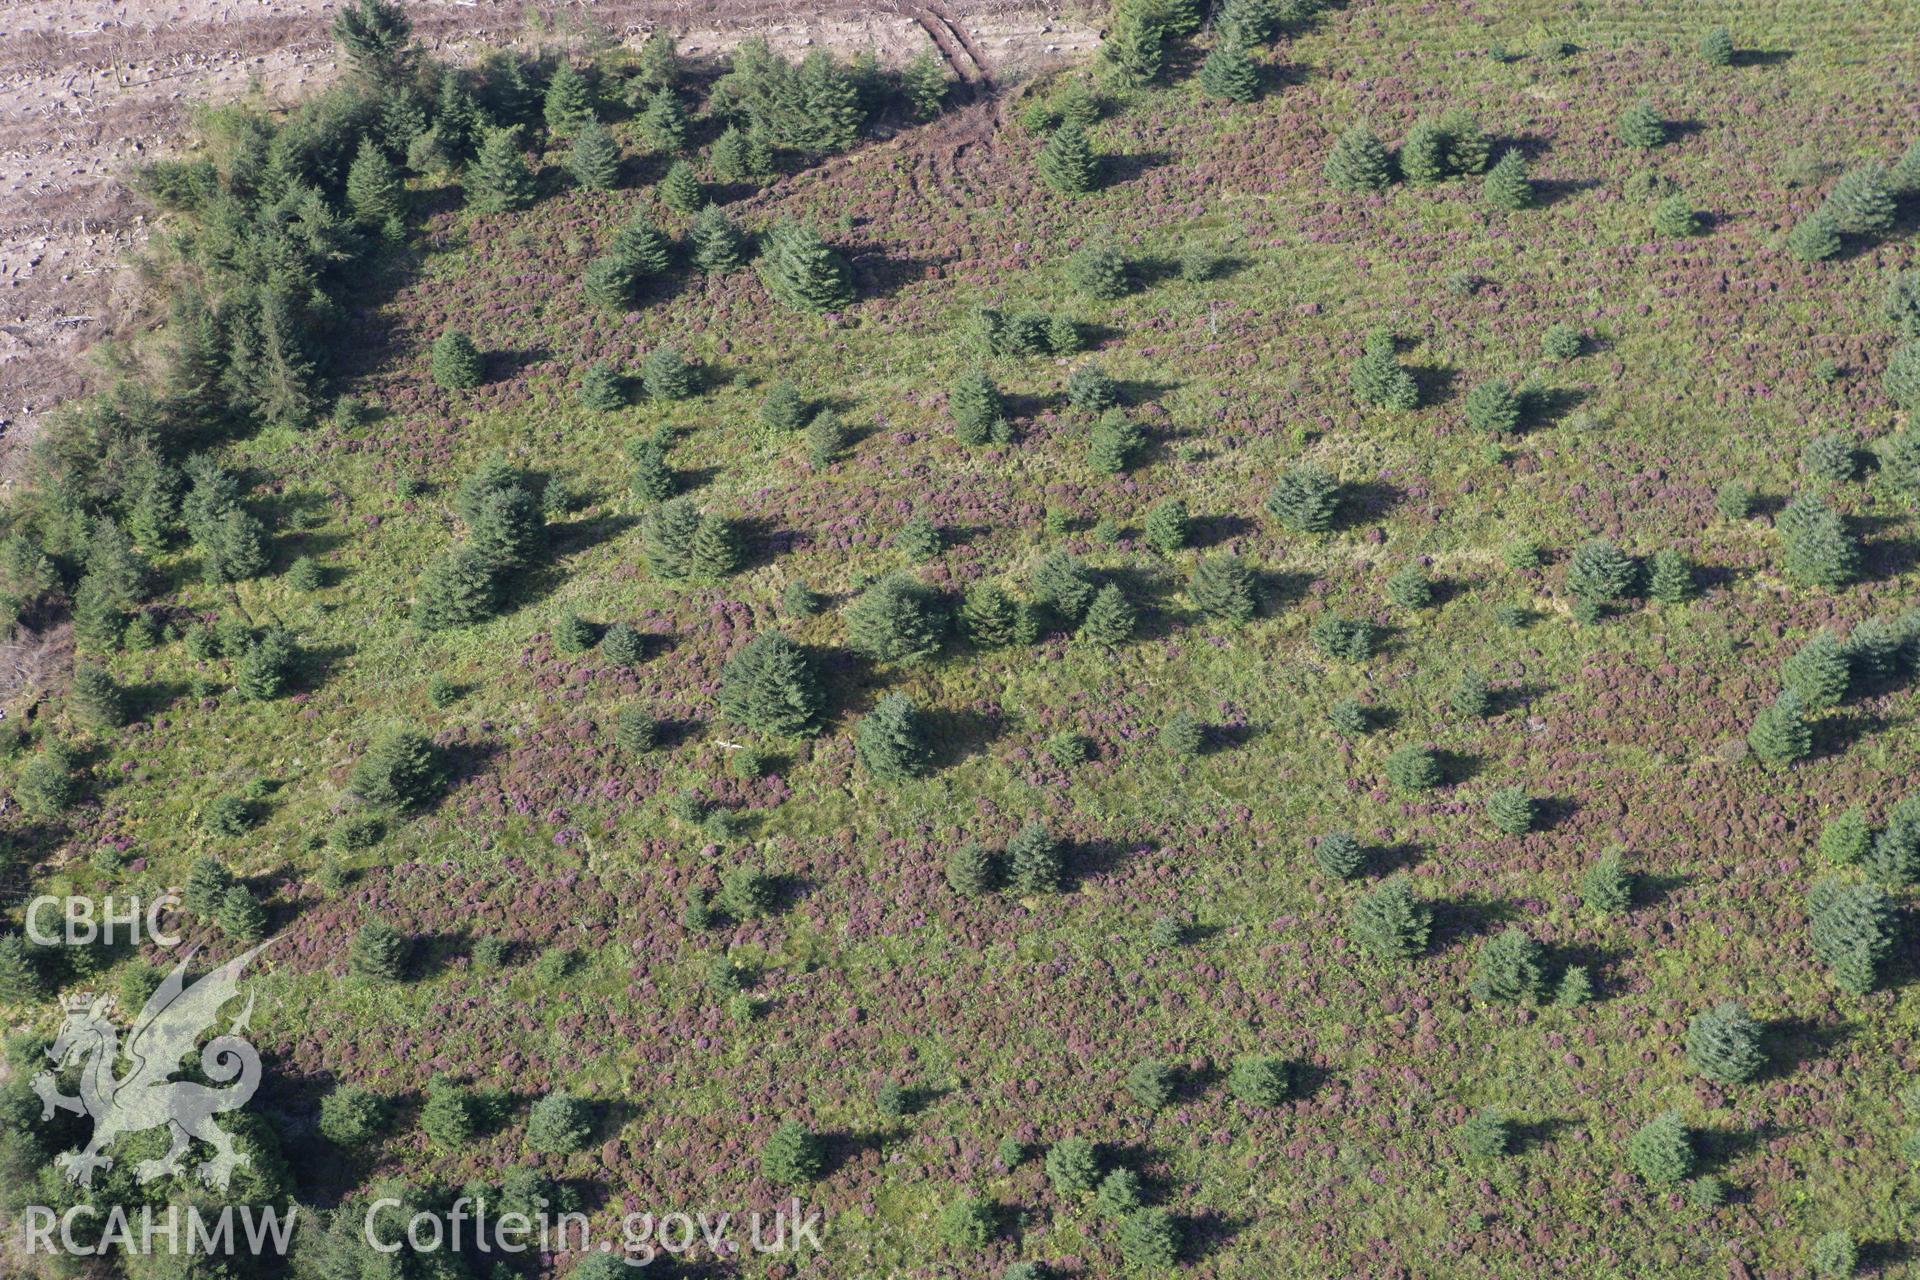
(165, 1031)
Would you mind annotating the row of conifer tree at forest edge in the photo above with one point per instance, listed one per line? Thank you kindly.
(274, 220)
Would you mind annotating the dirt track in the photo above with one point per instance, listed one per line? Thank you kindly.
(90, 88)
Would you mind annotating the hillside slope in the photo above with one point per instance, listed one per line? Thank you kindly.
(1704, 359)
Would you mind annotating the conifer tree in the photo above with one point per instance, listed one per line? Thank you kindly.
(373, 35)
(1780, 735)
(240, 915)
(891, 740)
(1846, 840)
(1510, 968)
(1723, 1043)
(1484, 1136)
(1378, 380)
(1675, 219)
(1229, 72)
(207, 883)
(1641, 126)
(1606, 886)
(680, 190)
(667, 538)
(594, 160)
(46, 785)
(1135, 46)
(263, 674)
(1339, 855)
(1261, 1081)
(716, 550)
(1670, 580)
(1034, 863)
(1835, 1255)
(1391, 922)
(826, 437)
(730, 157)
(1818, 674)
(1110, 619)
(379, 951)
(1902, 377)
(1661, 1152)
(1901, 303)
(784, 409)
(718, 245)
(505, 527)
(1090, 390)
(793, 1156)
(601, 388)
(802, 272)
(401, 770)
(1861, 203)
(1115, 443)
(1905, 174)
(769, 686)
(1900, 462)
(634, 731)
(1067, 163)
(988, 616)
(1411, 587)
(455, 362)
(1894, 858)
(1815, 238)
(375, 192)
(925, 83)
(1507, 185)
(659, 63)
(977, 410)
(898, 619)
(919, 538)
(1852, 930)
(1099, 269)
(642, 246)
(622, 644)
(237, 549)
(970, 870)
(455, 590)
(498, 179)
(1599, 572)
(832, 113)
(664, 121)
(1167, 529)
(1222, 588)
(1413, 768)
(1512, 810)
(1469, 149)
(1423, 156)
(1716, 48)
(1062, 583)
(1820, 552)
(1562, 341)
(1359, 162)
(568, 107)
(97, 698)
(665, 374)
(20, 978)
(610, 282)
(1304, 498)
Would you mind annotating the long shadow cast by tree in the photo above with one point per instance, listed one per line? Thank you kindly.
(1792, 1043)
(1458, 921)
(960, 733)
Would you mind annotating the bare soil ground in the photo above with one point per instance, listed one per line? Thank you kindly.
(89, 89)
